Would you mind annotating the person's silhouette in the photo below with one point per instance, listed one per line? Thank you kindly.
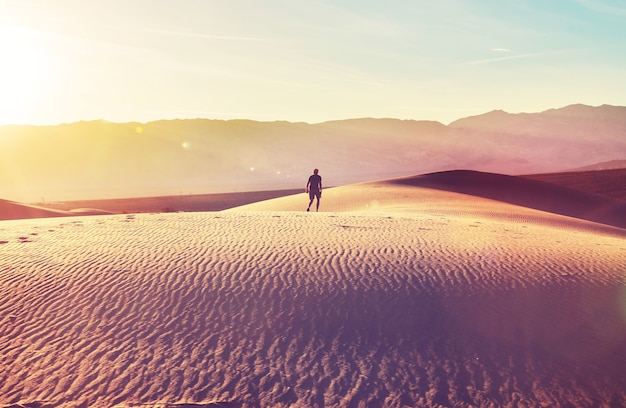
(314, 188)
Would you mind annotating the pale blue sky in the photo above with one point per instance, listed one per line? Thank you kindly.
(142, 60)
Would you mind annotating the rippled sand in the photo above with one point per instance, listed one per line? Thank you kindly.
(395, 296)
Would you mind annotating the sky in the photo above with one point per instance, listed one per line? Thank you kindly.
(307, 60)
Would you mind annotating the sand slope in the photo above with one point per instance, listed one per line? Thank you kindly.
(11, 210)
(466, 302)
(525, 192)
(186, 203)
(610, 182)
(468, 193)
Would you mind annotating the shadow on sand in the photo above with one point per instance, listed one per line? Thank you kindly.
(525, 192)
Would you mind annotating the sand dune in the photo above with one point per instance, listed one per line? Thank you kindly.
(396, 295)
(186, 203)
(467, 193)
(10, 210)
(528, 193)
(609, 182)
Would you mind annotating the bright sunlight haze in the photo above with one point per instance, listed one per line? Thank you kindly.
(310, 61)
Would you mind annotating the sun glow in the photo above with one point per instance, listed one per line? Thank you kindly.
(25, 73)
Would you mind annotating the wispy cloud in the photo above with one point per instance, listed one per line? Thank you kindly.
(499, 50)
(515, 57)
(499, 59)
(208, 36)
(602, 7)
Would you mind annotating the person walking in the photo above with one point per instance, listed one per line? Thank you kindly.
(314, 188)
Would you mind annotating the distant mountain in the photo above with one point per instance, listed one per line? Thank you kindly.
(609, 165)
(98, 159)
(550, 141)
(498, 119)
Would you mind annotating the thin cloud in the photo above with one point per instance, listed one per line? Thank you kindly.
(602, 7)
(499, 59)
(514, 57)
(208, 36)
(499, 50)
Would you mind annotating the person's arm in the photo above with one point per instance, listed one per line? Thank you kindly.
(307, 185)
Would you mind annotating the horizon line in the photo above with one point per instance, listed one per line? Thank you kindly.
(139, 122)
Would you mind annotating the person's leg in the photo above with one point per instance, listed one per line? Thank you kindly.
(311, 197)
(318, 196)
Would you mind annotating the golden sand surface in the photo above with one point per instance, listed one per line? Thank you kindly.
(392, 295)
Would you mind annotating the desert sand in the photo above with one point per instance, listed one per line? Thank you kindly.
(11, 210)
(179, 203)
(398, 293)
(609, 182)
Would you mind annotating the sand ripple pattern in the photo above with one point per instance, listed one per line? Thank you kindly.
(309, 310)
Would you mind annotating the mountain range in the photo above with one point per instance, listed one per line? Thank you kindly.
(99, 159)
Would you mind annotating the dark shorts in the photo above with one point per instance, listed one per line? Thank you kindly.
(313, 194)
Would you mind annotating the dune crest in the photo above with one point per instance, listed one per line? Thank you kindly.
(469, 194)
(525, 192)
(10, 210)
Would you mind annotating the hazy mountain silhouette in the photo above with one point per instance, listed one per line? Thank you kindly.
(609, 165)
(553, 140)
(99, 159)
